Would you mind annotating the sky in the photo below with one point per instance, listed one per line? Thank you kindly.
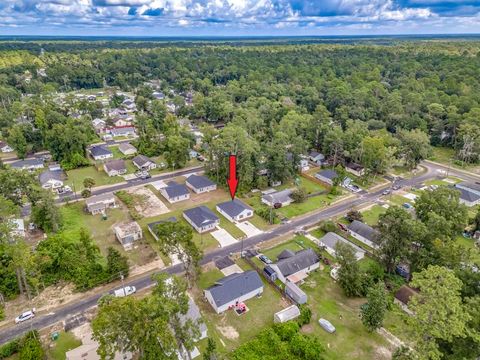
(237, 17)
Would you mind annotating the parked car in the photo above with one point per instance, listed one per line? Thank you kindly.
(396, 187)
(265, 259)
(327, 326)
(27, 315)
(407, 205)
(386, 192)
(342, 226)
(125, 291)
(354, 188)
(200, 158)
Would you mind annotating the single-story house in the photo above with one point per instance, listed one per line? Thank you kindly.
(194, 314)
(28, 164)
(128, 233)
(88, 350)
(278, 197)
(200, 184)
(128, 131)
(52, 179)
(201, 218)
(403, 296)
(127, 149)
(158, 95)
(289, 313)
(98, 124)
(144, 163)
(122, 121)
(129, 104)
(235, 210)
(327, 176)
(100, 152)
(330, 241)
(175, 192)
(115, 167)
(316, 157)
(151, 226)
(98, 204)
(233, 289)
(469, 193)
(364, 233)
(294, 267)
(5, 148)
(355, 169)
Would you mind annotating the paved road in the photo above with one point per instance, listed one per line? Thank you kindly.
(144, 281)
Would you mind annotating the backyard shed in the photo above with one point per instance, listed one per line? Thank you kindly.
(287, 314)
(297, 294)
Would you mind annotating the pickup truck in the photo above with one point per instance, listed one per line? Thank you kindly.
(125, 291)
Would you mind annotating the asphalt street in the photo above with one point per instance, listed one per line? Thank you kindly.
(71, 309)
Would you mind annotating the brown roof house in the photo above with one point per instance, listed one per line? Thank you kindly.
(403, 297)
(128, 233)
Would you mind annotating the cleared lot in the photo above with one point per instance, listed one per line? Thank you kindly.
(248, 228)
(223, 237)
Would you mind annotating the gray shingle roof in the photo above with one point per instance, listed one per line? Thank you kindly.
(234, 286)
(175, 190)
(300, 261)
(199, 182)
(468, 195)
(233, 208)
(117, 165)
(278, 196)
(328, 173)
(364, 230)
(469, 185)
(201, 216)
(51, 175)
(331, 239)
(141, 160)
(26, 163)
(99, 151)
(123, 130)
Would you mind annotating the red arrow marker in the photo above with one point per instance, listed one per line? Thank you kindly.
(232, 180)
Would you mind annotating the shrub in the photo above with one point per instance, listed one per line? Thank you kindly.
(305, 315)
(9, 349)
(299, 195)
(328, 226)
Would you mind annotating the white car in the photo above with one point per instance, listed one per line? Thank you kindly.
(125, 291)
(27, 315)
(327, 326)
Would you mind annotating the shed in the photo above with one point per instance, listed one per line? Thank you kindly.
(287, 314)
(297, 294)
(270, 273)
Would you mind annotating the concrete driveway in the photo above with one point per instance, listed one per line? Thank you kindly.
(248, 228)
(223, 237)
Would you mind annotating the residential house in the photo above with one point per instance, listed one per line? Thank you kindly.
(403, 297)
(316, 157)
(355, 169)
(327, 176)
(364, 233)
(129, 105)
(175, 192)
(128, 233)
(330, 241)
(158, 95)
(294, 267)
(194, 314)
(200, 184)
(201, 218)
(115, 167)
(302, 164)
(127, 131)
(100, 152)
(98, 124)
(233, 289)
(4, 147)
(469, 193)
(235, 210)
(278, 198)
(98, 204)
(52, 179)
(28, 164)
(151, 227)
(88, 350)
(127, 149)
(144, 163)
(122, 121)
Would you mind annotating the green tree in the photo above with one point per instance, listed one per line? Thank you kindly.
(349, 276)
(414, 146)
(176, 151)
(88, 183)
(17, 140)
(117, 265)
(299, 195)
(374, 310)
(211, 350)
(45, 214)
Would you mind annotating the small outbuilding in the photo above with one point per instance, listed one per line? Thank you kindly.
(290, 313)
(295, 293)
(128, 233)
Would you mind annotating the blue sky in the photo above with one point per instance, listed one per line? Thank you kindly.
(237, 17)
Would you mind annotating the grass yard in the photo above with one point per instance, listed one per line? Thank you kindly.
(102, 231)
(442, 182)
(398, 200)
(470, 244)
(371, 215)
(65, 342)
(76, 177)
(311, 204)
(446, 156)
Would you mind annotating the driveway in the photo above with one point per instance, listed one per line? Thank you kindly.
(248, 228)
(223, 237)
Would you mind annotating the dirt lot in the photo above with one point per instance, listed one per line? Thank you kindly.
(150, 205)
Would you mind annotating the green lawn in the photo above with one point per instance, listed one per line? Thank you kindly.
(441, 182)
(470, 244)
(66, 342)
(447, 156)
(398, 200)
(371, 215)
(311, 204)
(76, 177)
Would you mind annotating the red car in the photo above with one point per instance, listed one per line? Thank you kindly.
(342, 226)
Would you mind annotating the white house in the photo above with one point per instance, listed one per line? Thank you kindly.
(235, 210)
(4, 147)
(100, 152)
(295, 267)
(174, 192)
(327, 176)
(28, 164)
(364, 233)
(144, 163)
(98, 204)
(316, 157)
(200, 184)
(127, 149)
(128, 233)
(469, 193)
(233, 289)
(201, 218)
(278, 198)
(330, 241)
(355, 169)
(115, 167)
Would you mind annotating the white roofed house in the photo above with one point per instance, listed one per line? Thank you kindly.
(115, 167)
(128, 233)
(200, 184)
(175, 192)
(235, 210)
(330, 240)
(364, 233)
(278, 198)
(294, 267)
(144, 163)
(127, 149)
(98, 204)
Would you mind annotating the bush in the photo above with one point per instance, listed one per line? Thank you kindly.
(31, 347)
(305, 315)
(299, 195)
(2, 312)
(328, 226)
(354, 215)
(9, 349)
(86, 193)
